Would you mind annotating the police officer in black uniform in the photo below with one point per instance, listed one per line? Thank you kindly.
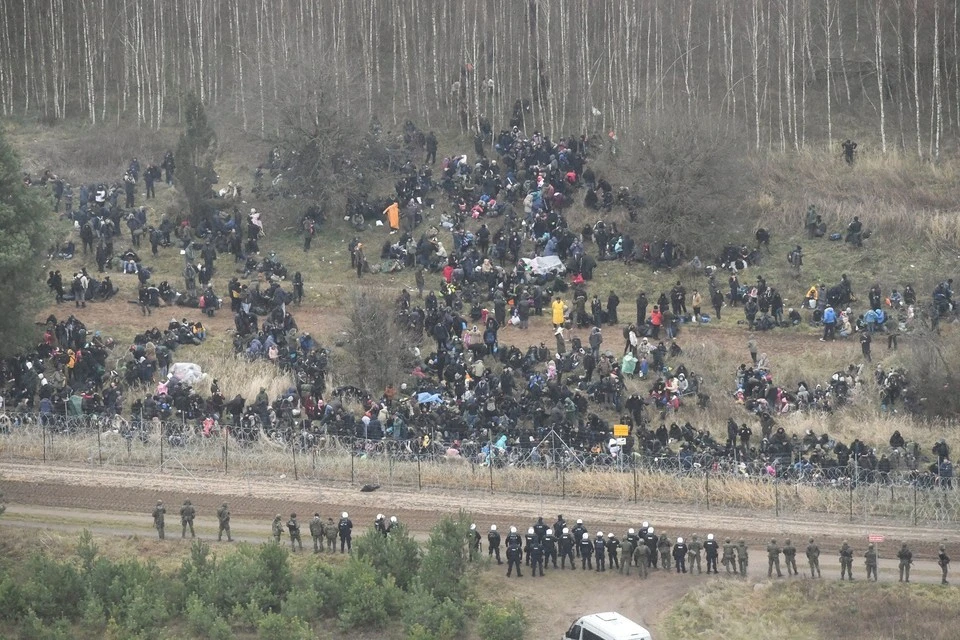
(493, 543)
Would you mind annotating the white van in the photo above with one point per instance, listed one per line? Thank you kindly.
(606, 626)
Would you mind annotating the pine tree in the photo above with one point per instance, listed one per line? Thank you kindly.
(26, 221)
(196, 152)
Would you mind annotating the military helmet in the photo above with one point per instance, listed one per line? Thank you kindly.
(293, 515)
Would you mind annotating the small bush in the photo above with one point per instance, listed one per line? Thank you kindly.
(273, 626)
(396, 555)
(366, 602)
(445, 561)
(427, 616)
(12, 602)
(204, 620)
(502, 623)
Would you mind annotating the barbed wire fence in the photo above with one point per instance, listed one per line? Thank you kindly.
(549, 468)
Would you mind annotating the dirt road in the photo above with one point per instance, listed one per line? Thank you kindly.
(118, 503)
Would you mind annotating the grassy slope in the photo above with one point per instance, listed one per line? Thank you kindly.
(894, 196)
(815, 609)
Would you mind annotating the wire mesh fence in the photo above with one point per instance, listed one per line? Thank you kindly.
(548, 469)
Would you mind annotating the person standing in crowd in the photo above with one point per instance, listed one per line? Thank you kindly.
(159, 512)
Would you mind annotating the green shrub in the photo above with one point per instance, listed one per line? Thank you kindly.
(445, 561)
(396, 555)
(367, 602)
(204, 621)
(12, 603)
(273, 626)
(502, 622)
(303, 603)
(54, 589)
(440, 619)
(324, 581)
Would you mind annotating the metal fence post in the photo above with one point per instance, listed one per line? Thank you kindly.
(99, 448)
(776, 489)
(226, 450)
(419, 475)
(294, 447)
(353, 473)
(914, 503)
(635, 487)
(161, 446)
(43, 439)
(708, 490)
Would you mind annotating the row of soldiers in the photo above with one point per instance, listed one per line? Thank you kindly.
(643, 549)
(188, 514)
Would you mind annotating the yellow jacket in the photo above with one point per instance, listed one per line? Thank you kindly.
(559, 309)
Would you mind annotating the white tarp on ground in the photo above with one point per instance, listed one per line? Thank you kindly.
(187, 372)
(545, 264)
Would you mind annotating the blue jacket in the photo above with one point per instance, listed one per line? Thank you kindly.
(829, 316)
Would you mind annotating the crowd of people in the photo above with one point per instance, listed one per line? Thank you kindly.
(501, 254)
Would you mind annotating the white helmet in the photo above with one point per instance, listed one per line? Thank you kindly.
(549, 532)
(513, 529)
(631, 531)
(649, 529)
(493, 527)
(566, 530)
(709, 536)
(579, 521)
(530, 531)
(609, 535)
(599, 534)
(679, 540)
(379, 516)
(645, 524)
(344, 515)
(473, 527)
(585, 536)
(393, 519)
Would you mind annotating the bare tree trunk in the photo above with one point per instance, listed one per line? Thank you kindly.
(828, 33)
(916, 75)
(880, 75)
(936, 111)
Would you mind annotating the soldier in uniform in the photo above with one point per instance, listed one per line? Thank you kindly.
(578, 530)
(559, 525)
(514, 552)
(493, 543)
(651, 540)
(630, 546)
(743, 557)
(680, 555)
(294, 528)
(663, 546)
(641, 558)
(316, 532)
(158, 512)
(712, 550)
(906, 559)
(790, 555)
(330, 533)
(223, 517)
(870, 560)
(474, 538)
(567, 544)
(944, 561)
(277, 528)
(345, 529)
(527, 540)
(536, 556)
(846, 561)
(613, 546)
(550, 548)
(773, 559)
(813, 557)
(187, 514)
(728, 560)
(600, 552)
(693, 554)
(540, 529)
(586, 552)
